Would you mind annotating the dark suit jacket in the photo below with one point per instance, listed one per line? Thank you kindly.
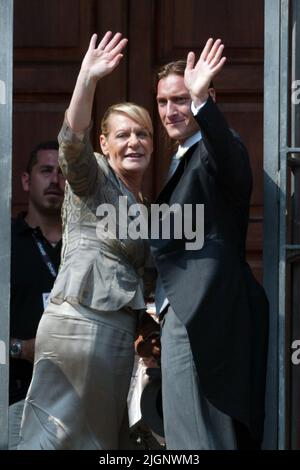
(212, 290)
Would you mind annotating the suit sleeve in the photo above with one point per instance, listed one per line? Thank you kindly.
(227, 156)
(78, 162)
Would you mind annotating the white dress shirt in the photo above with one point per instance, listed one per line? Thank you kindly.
(182, 149)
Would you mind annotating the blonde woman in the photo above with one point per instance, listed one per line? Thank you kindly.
(85, 341)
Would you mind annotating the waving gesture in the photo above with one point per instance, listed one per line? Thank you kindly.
(98, 62)
(197, 77)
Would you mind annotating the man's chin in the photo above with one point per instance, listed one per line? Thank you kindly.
(174, 134)
(53, 201)
(53, 209)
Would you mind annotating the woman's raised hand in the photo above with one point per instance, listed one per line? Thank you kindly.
(98, 62)
(102, 60)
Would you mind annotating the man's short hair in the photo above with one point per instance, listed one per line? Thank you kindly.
(172, 68)
(49, 145)
(176, 67)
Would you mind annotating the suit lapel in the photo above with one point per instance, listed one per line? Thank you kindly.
(167, 190)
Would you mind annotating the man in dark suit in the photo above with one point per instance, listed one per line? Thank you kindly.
(214, 313)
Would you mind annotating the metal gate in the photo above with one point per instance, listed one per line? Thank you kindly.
(6, 54)
(282, 220)
(281, 217)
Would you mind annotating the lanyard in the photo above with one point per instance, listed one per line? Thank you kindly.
(44, 254)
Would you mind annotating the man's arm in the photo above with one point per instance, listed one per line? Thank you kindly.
(228, 157)
(197, 77)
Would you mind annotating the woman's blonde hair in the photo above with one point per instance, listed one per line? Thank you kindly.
(132, 110)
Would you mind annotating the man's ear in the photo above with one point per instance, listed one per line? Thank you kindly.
(212, 93)
(25, 178)
(103, 144)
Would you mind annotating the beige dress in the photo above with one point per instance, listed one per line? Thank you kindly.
(85, 340)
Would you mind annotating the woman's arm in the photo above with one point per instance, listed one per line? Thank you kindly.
(98, 62)
(76, 156)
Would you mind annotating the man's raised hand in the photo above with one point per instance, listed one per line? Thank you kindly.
(197, 77)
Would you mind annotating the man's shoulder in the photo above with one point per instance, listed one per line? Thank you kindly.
(235, 134)
(19, 219)
(19, 225)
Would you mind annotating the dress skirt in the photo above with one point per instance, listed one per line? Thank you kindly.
(82, 371)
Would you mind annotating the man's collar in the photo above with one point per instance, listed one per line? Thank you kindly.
(22, 227)
(20, 223)
(187, 144)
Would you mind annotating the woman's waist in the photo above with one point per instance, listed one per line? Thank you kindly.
(90, 251)
(124, 318)
(99, 284)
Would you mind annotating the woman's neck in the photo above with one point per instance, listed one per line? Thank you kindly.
(133, 183)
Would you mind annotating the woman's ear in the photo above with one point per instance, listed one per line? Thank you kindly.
(103, 144)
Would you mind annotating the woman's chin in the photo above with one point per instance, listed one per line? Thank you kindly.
(136, 165)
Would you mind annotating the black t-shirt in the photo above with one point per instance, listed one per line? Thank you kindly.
(30, 279)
